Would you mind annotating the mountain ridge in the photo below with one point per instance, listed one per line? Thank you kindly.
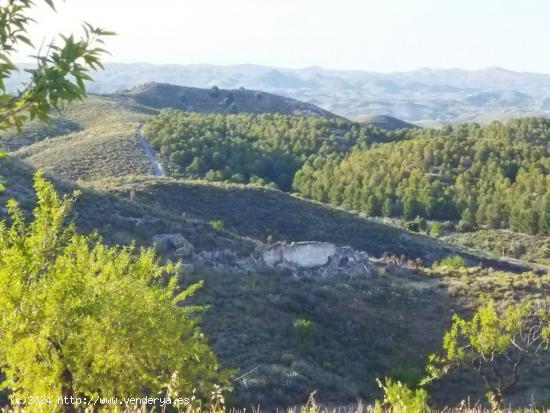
(423, 96)
(160, 95)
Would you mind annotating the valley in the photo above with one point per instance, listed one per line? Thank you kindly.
(265, 207)
(233, 184)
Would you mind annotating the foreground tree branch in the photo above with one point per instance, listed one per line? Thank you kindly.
(60, 74)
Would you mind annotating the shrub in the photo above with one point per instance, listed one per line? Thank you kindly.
(453, 261)
(214, 92)
(543, 399)
(303, 332)
(436, 229)
(84, 318)
(409, 376)
(412, 226)
(227, 101)
(217, 224)
(510, 336)
(518, 249)
(422, 223)
(398, 398)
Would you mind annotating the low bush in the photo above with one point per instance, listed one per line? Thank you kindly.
(454, 261)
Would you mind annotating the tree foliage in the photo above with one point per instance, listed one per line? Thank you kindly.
(399, 398)
(1, 184)
(82, 318)
(243, 148)
(495, 176)
(495, 344)
(61, 68)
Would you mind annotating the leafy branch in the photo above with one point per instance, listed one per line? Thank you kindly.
(60, 73)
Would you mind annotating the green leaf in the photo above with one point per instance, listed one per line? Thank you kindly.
(51, 4)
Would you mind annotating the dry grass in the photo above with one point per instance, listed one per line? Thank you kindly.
(100, 142)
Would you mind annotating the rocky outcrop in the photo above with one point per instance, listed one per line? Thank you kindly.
(175, 243)
(311, 255)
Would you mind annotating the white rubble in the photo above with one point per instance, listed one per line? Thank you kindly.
(303, 255)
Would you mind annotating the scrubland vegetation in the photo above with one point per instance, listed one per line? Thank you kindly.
(302, 335)
(91, 319)
(533, 248)
(90, 309)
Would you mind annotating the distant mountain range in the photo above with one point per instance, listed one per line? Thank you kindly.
(424, 96)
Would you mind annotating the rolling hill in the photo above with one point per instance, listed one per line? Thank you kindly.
(385, 319)
(215, 100)
(381, 319)
(384, 122)
(95, 142)
(101, 141)
(97, 137)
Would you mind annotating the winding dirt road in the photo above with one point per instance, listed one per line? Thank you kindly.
(155, 164)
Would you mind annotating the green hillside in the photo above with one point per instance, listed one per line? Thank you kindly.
(494, 176)
(333, 330)
(247, 147)
(262, 213)
(384, 321)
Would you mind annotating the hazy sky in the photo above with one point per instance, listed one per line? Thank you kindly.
(377, 35)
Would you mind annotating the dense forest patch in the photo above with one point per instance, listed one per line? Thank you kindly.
(246, 148)
(494, 176)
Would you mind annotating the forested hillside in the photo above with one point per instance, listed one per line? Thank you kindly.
(265, 148)
(494, 176)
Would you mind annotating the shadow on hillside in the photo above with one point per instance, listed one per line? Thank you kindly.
(296, 335)
(116, 218)
(262, 213)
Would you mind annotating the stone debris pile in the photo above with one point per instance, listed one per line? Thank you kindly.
(306, 258)
(315, 258)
